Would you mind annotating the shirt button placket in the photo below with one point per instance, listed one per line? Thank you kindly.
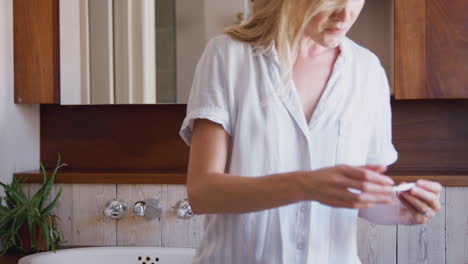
(302, 233)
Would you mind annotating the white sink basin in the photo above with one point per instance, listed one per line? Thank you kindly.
(113, 255)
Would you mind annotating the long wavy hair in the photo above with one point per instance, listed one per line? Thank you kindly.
(280, 24)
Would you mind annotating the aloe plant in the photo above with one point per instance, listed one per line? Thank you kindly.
(17, 210)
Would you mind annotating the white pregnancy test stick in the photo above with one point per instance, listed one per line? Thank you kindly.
(404, 187)
(399, 188)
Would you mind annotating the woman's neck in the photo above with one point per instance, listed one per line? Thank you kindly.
(311, 49)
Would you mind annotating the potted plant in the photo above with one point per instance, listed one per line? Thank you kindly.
(31, 217)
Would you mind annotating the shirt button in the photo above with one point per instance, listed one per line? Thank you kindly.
(300, 245)
(303, 209)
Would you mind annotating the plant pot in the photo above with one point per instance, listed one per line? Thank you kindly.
(26, 238)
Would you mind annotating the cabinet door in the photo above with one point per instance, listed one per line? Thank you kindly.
(431, 49)
(36, 51)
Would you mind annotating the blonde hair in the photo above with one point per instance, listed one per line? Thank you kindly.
(280, 24)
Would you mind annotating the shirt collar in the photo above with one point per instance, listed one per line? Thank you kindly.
(282, 89)
(342, 58)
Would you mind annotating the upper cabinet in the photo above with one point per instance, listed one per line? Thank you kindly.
(431, 49)
(36, 51)
(146, 51)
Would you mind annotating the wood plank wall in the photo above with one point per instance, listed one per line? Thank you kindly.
(443, 240)
(427, 134)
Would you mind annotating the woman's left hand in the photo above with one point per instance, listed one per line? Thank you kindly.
(423, 197)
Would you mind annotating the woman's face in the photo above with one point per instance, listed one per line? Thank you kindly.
(329, 27)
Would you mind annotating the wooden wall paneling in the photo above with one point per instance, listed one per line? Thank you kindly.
(447, 48)
(410, 50)
(101, 51)
(137, 230)
(128, 138)
(376, 243)
(427, 134)
(430, 136)
(457, 225)
(64, 210)
(88, 221)
(177, 232)
(423, 243)
(36, 51)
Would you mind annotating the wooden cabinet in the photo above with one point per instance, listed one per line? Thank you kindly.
(431, 49)
(36, 51)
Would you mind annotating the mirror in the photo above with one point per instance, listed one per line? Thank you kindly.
(146, 51)
(136, 52)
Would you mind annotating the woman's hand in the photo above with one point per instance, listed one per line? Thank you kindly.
(330, 185)
(423, 197)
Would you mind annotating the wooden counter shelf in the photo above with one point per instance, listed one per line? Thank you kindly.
(449, 179)
(109, 177)
(179, 177)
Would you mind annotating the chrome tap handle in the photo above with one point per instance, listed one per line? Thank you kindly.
(139, 208)
(150, 209)
(115, 209)
(183, 209)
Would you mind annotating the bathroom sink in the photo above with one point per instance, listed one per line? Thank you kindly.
(114, 255)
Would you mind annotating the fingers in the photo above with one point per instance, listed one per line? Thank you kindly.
(364, 186)
(432, 186)
(376, 168)
(347, 197)
(417, 204)
(363, 174)
(427, 197)
(415, 212)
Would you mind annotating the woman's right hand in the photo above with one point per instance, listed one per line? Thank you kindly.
(330, 185)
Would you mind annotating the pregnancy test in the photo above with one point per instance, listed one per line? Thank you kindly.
(404, 187)
(399, 188)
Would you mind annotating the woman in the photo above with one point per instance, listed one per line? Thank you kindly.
(285, 118)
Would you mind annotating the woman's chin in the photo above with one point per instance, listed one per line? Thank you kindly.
(331, 41)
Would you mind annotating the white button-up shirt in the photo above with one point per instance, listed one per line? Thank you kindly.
(269, 134)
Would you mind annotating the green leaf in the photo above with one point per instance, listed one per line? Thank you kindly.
(14, 194)
(44, 173)
(7, 218)
(10, 202)
(32, 230)
(48, 185)
(45, 234)
(59, 159)
(48, 209)
(18, 210)
(3, 208)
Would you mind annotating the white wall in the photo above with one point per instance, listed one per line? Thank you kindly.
(19, 124)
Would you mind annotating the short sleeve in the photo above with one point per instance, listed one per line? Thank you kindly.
(381, 148)
(209, 98)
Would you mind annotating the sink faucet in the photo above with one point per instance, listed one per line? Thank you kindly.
(115, 209)
(183, 209)
(150, 209)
